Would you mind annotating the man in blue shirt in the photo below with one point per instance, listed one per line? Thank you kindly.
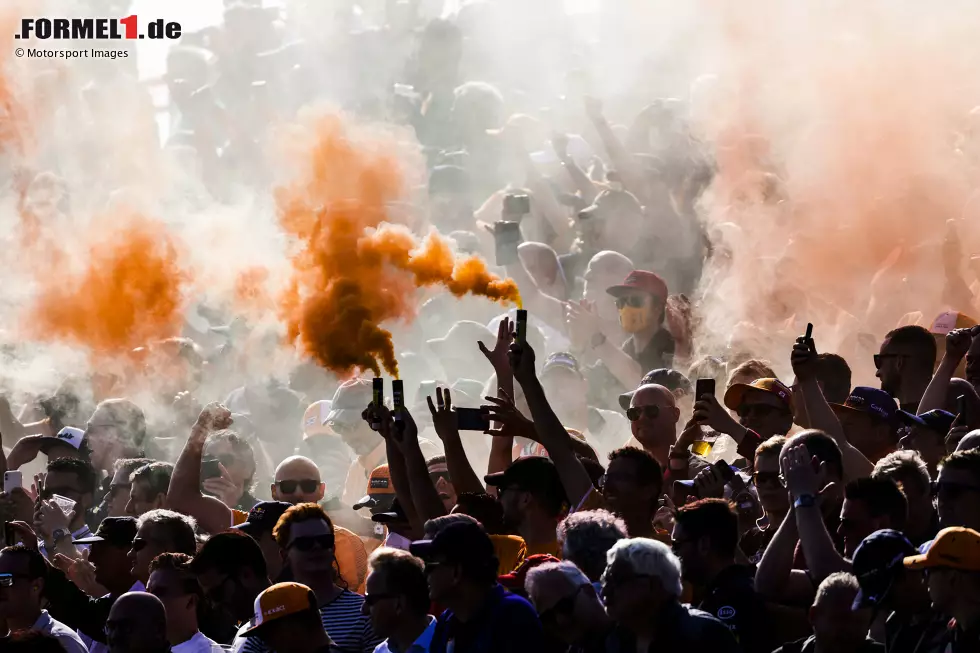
(481, 616)
(397, 599)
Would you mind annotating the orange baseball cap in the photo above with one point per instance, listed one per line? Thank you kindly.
(280, 600)
(946, 322)
(954, 548)
(379, 489)
(314, 418)
(736, 393)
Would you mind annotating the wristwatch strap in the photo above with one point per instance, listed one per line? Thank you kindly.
(58, 535)
(805, 501)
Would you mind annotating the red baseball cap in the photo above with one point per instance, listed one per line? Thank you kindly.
(641, 280)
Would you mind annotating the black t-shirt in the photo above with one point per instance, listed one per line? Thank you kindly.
(731, 598)
(658, 353)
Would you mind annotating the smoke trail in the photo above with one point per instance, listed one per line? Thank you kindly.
(129, 292)
(349, 273)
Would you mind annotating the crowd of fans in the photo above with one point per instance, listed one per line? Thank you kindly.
(592, 486)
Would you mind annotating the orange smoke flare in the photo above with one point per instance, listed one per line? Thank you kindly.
(348, 277)
(130, 291)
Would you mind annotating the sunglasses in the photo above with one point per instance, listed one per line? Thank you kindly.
(372, 599)
(307, 485)
(7, 580)
(139, 544)
(881, 358)
(564, 606)
(634, 413)
(633, 301)
(308, 542)
(771, 478)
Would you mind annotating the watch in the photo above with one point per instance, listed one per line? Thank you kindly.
(59, 534)
(805, 501)
(598, 339)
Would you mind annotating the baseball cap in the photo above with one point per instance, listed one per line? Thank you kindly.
(315, 418)
(561, 361)
(463, 337)
(380, 491)
(279, 601)
(350, 400)
(668, 378)
(463, 542)
(69, 435)
(534, 474)
(954, 547)
(641, 280)
(949, 320)
(263, 517)
(117, 531)
(877, 563)
(935, 420)
(735, 394)
(395, 514)
(872, 401)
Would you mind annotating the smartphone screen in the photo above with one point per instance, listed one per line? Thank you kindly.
(210, 468)
(704, 387)
(472, 419)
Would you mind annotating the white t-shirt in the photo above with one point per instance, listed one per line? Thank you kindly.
(197, 644)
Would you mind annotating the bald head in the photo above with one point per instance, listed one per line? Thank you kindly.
(969, 441)
(298, 481)
(653, 417)
(542, 264)
(137, 622)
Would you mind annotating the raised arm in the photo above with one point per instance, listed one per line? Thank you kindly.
(550, 431)
(958, 342)
(184, 494)
(820, 413)
(405, 434)
(446, 425)
(501, 448)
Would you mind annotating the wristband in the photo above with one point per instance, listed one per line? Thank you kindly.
(805, 501)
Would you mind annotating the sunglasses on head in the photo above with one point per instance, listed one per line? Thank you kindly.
(308, 542)
(307, 485)
(634, 413)
(633, 301)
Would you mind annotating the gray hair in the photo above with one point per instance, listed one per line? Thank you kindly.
(180, 528)
(648, 557)
(585, 538)
(840, 586)
(904, 467)
(554, 572)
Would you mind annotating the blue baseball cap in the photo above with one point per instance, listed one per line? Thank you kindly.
(878, 562)
(870, 401)
(939, 421)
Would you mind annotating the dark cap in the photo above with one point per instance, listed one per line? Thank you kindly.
(871, 401)
(534, 474)
(877, 563)
(668, 378)
(464, 542)
(395, 515)
(939, 421)
(117, 531)
(642, 280)
(263, 517)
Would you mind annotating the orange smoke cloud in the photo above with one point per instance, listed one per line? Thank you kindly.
(129, 292)
(354, 271)
(844, 140)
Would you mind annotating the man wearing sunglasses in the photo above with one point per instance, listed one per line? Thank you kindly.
(22, 590)
(298, 481)
(397, 601)
(157, 532)
(568, 606)
(870, 421)
(905, 364)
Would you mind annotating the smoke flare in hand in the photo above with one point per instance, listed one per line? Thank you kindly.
(349, 275)
(129, 293)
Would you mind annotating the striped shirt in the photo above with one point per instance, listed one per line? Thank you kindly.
(344, 623)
